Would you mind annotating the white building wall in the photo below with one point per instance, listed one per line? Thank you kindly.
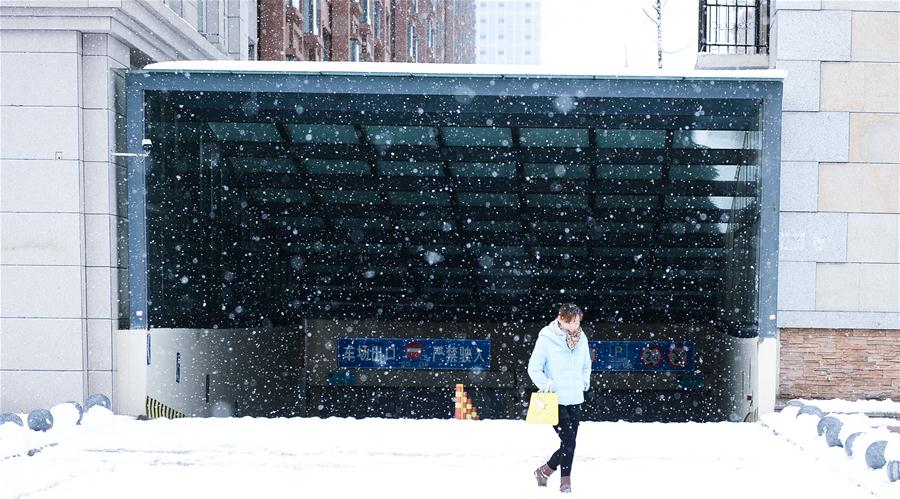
(508, 32)
(42, 275)
(63, 229)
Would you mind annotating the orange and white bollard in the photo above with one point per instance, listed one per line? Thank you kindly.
(459, 403)
(462, 405)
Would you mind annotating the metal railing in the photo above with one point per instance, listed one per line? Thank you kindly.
(734, 27)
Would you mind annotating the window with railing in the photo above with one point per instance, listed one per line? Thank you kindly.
(201, 18)
(377, 27)
(354, 50)
(364, 11)
(311, 13)
(326, 48)
(734, 27)
(412, 43)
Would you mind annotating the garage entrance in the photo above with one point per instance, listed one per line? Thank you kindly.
(288, 209)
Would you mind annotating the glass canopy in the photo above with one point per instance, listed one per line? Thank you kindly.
(264, 208)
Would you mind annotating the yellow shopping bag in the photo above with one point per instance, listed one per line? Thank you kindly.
(543, 408)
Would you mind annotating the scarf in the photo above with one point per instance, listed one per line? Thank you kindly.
(571, 338)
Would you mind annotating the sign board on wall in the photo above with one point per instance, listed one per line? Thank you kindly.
(406, 353)
(634, 355)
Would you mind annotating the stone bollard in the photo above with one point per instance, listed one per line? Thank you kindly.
(830, 426)
(40, 420)
(97, 399)
(875, 454)
(810, 409)
(8, 417)
(893, 470)
(848, 443)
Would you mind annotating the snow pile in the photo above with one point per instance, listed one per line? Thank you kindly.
(66, 415)
(17, 441)
(842, 437)
(111, 456)
(98, 416)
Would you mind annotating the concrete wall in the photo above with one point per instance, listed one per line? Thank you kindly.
(839, 261)
(58, 214)
(271, 372)
(62, 205)
(257, 372)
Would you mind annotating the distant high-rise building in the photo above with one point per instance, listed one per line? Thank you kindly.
(368, 30)
(508, 32)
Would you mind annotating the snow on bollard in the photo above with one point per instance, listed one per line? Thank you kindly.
(8, 417)
(40, 420)
(97, 399)
(810, 409)
(820, 427)
(79, 409)
(97, 410)
(97, 416)
(67, 414)
(875, 454)
(830, 426)
(789, 412)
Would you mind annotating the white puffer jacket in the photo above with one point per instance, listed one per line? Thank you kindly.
(569, 371)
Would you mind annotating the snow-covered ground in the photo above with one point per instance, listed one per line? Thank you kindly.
(118, 456)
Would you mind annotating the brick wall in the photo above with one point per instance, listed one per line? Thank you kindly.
(840, 363)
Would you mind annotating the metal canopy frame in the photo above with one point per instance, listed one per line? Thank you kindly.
(609, 103)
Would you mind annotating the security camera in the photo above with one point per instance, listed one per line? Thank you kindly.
(146, 145)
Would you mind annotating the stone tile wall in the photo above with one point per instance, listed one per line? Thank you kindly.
(839, 258)
(839, 363)
(840, 182)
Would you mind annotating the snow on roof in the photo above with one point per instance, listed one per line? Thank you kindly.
(467, 70)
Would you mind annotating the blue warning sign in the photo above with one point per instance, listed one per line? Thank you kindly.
(400, 353)
(634, 355)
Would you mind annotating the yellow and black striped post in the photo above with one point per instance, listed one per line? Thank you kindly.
(156, 409)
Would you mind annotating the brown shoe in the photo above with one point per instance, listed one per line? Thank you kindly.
(565, 484)
(542, 474)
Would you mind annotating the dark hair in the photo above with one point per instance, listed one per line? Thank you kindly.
(569, 311)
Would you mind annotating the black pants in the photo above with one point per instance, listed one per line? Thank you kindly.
(567, 429)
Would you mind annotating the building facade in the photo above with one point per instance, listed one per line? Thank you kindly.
(63, 199)
(508, 32)
(436, 31)
(62, 191)
(839, 264)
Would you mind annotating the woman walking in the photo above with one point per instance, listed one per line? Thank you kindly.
(561, 360)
